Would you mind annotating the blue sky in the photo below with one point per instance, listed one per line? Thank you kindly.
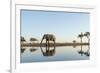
(64, 25)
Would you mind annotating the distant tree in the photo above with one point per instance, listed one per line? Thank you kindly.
(74, 41)
(22, 39)
(87, 34)
(33, 39)
(81, 36)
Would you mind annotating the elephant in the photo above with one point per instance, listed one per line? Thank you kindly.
(48, 38)
(48, 51)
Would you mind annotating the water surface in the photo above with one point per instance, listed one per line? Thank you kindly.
(62, 53)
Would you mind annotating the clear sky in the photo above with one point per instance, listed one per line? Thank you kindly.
(64, 25)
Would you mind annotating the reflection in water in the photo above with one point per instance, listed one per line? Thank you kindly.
(33, 50)
(63, 53)
(81, 51)
(22, 50)
(74, 46)
(87, 53)
(48, 51)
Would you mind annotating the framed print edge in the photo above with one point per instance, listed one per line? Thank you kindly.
(16, 66)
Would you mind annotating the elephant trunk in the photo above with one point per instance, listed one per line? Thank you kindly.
(41, 41)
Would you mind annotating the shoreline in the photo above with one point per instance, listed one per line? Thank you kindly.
(51, 44)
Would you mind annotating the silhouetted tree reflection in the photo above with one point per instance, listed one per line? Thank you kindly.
(81, 51)
(22, 50)
(74, 46)
(48, 51)
(87, 53)
(74, 43)
(33, 49)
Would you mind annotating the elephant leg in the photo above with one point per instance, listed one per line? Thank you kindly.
(41, 41)
(46, 49)
(46, 43)
(42, 51)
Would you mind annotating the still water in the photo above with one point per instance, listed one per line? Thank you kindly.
(62, 53)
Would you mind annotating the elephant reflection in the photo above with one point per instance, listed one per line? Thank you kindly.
(48, 51)
(48, 38)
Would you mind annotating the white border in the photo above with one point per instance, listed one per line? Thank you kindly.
(15, 34)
